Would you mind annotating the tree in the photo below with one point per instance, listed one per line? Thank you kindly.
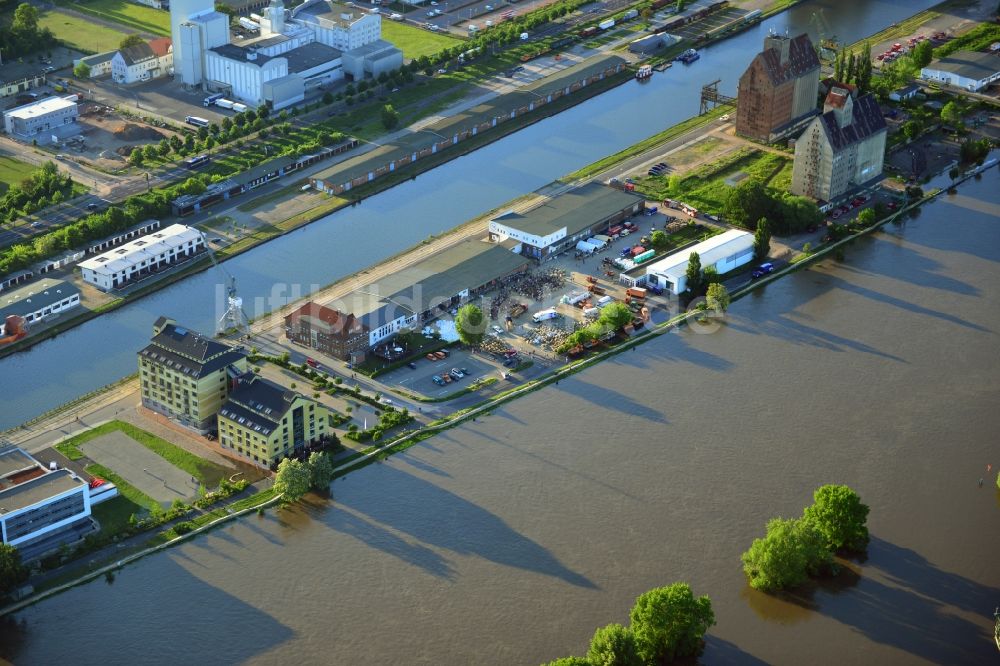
(951, 114)
(390, 117)
(669, 622)
(747, 202)
(953, 172)
(176, 142)
(293, 479)
(922, 54)
(569, 661)
(613, 645)
(840, 517)
(911, 129)
(659, 240)
(864, 71)
(717, 297)
(866, 217)
(135, 157)
(762, 239)
(130, 40)
(81, 70)
(163, 148)
(12, 572)
(471, 324)
(321, 469)
(788, 554)
(149, 152)
(25, 19)
(694, 273)
(615, 315)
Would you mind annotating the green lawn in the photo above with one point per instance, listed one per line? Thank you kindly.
(13, 171)
(80, 34)
(415, 42)
(138, 500)
(113, 514)
(132, 17)
(705, 188)
(208, 473)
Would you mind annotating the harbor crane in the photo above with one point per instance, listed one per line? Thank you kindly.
(234, 318)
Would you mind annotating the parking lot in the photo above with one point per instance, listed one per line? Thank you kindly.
(421, 382)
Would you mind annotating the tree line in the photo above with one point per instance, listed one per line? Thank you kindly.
(42, 187)
(23, 35)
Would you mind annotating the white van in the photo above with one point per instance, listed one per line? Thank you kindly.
(544, 315)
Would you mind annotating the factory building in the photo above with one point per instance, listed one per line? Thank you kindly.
(295, 51)
(724, 252)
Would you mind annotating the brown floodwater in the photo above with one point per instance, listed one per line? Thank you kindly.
(507, 541)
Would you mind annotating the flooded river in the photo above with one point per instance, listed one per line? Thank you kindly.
(507, 541)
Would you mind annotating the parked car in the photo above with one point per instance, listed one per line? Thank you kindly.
(464, 371)
(444, 353)
(892, 205)
(437, 380)
(510, 361)
(431, 357)
(456, 374)
(497, 330)
(762, 270)
(440, 355)
(411, 365)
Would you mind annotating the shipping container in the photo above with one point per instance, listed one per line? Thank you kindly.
(645, 256)
(636, 292)
(606, 24)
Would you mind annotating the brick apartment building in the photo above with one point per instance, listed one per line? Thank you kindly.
(327, 330)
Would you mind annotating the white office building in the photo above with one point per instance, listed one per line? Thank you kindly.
(48, 120)
(40, 509)
(145, 256)
(725, 252)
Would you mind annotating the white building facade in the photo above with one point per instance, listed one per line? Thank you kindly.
(41, 121)
(970, 70)
(38, 301)
(142, 257)
(142, 62)
(727, 251)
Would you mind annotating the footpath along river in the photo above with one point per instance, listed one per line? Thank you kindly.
(103, 350)
(507, 541)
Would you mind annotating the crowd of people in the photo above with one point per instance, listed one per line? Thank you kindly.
(536, 285)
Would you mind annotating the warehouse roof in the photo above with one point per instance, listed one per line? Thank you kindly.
(573, 211)
(968, 64)
(234, 52)
(709, 251)
(35, 296)
(310, 55)
(42, 107)
(13, 459)
(468, 265)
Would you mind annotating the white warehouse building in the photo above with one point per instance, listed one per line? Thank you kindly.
(971, 70)
(725, 252)
(50, 119)
(138, 259)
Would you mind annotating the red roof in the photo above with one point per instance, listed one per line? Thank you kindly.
(340, 324)
(837, 97)
(160, 46)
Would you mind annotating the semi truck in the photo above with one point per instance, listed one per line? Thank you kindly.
(224, 103)
(239, 108)
(212, 99)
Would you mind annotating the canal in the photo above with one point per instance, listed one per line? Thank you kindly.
(103, 350)
(509, 540)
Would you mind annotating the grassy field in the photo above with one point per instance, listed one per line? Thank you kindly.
(705, 188)
(12, 172)
(80, 34)
(415, 42)
(208, 473)
(132, 17)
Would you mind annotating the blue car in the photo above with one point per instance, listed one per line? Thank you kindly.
(762, 270)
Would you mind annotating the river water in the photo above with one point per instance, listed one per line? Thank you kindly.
(103, 350)
(508, 540)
